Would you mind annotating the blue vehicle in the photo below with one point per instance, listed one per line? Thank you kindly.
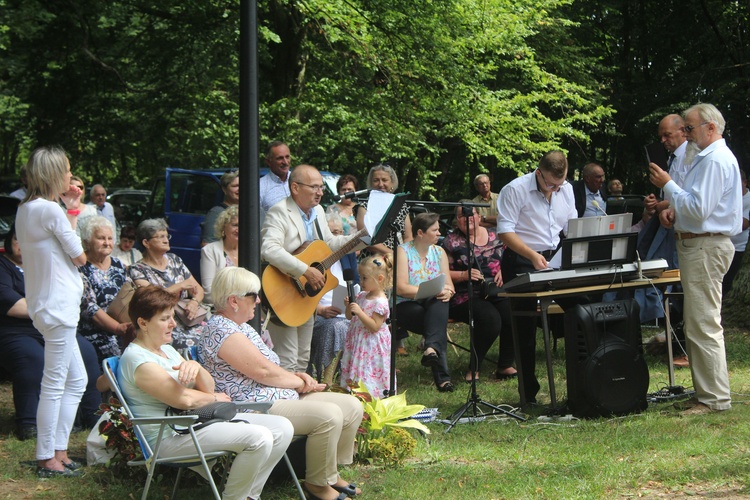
(183, 197)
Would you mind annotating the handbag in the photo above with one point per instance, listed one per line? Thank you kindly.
(180, 311)
(220, 411)
(118, 309)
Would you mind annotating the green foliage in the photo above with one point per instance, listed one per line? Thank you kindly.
(382, 438)
(439, 88)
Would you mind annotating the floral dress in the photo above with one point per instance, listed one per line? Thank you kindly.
(487, 257)
(176, 272)
(99, 290)
(229, 380)
(367, 355)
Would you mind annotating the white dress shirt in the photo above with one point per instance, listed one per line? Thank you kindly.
(710, 200)
(523, 209)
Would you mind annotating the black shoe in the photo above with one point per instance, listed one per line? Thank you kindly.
(446, 387)
(430, 359)
(45, 473)
(72, 465)
(349, 490)
(25, 432)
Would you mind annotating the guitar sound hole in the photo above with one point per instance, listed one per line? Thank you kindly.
(308, 289)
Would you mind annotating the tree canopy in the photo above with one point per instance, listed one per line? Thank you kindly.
(441, 89)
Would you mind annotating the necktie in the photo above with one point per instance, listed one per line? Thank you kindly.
(671, 160)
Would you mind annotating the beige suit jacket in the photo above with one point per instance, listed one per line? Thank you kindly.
(283, 232)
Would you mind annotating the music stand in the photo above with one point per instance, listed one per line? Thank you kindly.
(387, 226)
(474, 402)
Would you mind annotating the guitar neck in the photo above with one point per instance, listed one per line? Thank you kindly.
(347, 248)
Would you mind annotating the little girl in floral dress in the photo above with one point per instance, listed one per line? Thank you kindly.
(367, 350)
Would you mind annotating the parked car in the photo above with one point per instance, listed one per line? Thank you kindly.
(183, 197)
(130, 205)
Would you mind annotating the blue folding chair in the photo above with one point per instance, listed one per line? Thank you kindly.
(151, 457)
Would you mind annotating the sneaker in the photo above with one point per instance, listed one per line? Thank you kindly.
(45, 473)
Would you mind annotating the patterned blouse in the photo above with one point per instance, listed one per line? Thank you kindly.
(229, 380)
(417, 272)
(400, 223)
(348, 222)
(487, 257)
(99, 290)
(176, 272)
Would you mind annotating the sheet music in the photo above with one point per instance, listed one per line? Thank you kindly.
(377, 206)
(430, 288)
(556, 261)
(339, 294)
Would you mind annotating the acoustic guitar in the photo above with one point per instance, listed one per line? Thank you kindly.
(292, 299)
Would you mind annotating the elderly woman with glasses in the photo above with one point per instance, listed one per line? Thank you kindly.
(230, 185)
(161, 268)
(247, 370)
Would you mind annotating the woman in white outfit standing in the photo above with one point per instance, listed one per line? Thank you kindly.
(51, 251)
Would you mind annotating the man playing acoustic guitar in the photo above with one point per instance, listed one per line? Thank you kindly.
(298, 276)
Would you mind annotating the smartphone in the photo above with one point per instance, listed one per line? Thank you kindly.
(655, 153)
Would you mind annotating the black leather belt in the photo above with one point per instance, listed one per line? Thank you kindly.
(690, 236)
(547, 254)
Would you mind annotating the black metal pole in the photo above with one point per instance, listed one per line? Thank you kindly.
(249, 244)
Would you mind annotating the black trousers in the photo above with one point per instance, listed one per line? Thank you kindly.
(512, 265)
(428, 318)
(491, 320)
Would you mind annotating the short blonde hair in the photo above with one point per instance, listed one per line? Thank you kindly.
(46, 172)
(223, 219)
(379, 265)
(230, 281)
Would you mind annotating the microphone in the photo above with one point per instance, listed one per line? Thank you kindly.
(351, 194)
(349, 278)
(599, 207)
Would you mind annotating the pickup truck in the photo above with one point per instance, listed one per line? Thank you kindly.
(183, 197)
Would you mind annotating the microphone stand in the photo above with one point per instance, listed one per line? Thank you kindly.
(474, 403)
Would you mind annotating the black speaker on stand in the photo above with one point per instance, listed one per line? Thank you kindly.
(607, 374)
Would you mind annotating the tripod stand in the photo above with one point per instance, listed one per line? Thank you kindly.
(474, 403)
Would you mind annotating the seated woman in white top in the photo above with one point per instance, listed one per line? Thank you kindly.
(154, 376)
(222, 252)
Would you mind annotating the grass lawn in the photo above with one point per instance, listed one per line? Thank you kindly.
(656, 454)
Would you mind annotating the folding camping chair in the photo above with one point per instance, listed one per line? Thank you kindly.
(151, 457)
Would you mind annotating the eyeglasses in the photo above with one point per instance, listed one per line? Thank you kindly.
(162, 237)
(690, 128)
(552, 187)
(252, 295)
(314, 187)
